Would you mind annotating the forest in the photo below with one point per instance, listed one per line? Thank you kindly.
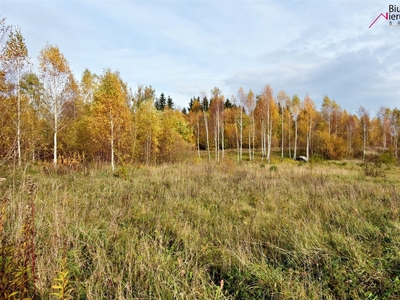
(49, 115)
(112, 193)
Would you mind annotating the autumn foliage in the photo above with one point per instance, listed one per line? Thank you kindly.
(51, 114)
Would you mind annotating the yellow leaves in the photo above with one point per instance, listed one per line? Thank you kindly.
(196, 107)
(175, 135)
(62, 286)
(250, 102)
(89, 82)
(15, 51)
(52, 61)
(308, 113)
(109, 110)
(160, 135)
(330, 146)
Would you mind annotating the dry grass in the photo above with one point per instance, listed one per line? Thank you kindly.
(293, 231)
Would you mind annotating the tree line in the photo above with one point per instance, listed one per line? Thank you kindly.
(248, 122)
(49, 115)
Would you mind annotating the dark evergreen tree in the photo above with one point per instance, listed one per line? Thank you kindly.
(170, 103)
(205, 104)
(160, 102)
(184, 111)
(191, 103)
(157, 104)
(228, 104)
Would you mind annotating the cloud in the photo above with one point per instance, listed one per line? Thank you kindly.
(184, 47)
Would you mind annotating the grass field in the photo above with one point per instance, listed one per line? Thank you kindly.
(202, 230)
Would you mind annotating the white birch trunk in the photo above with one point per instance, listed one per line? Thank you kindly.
(295, 139)
(198, 135)
(55, 133)
(241, 133)
(208, 142)
(112, 142)
(283, 131)
(254, 135)
(222, 138)
(18, 118)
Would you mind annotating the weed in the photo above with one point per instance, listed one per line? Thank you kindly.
(61, 286)
(273, 168)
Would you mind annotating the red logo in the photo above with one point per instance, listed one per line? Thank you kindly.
(393, 14)
(386, 16)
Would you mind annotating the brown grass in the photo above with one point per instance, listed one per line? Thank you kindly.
(294, 231)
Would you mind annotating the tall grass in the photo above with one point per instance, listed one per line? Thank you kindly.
(213, 231)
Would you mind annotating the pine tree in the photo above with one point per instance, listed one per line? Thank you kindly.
(191, 102)
(160, 103)
(228, 104)
(205, 103)
(170, 103)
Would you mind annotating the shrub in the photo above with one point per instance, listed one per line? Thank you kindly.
(374, 167)
(387, 158)
(122, 172)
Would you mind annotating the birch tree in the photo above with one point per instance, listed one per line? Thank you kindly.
(327, 112)
(15, 59)
(88, 85)
(149, 128)
(250, 106)
(235, 111)
(194, 116)
(295, 109)
(242, 100)
(395, 130)
(282, 99)
(110, 120)
(32, 89)
(310, 119)
(351, 124)
(56, 78)
(217, 111)
(267, 112)
(364, 121)
(384, 115)
(205, 106)
(288, 113)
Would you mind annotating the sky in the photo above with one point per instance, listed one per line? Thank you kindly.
(185, 47)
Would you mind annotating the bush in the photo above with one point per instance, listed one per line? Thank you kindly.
(122, 172)
(387, 158)
(377, 165)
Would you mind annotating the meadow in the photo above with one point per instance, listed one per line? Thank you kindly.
(201, 230)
